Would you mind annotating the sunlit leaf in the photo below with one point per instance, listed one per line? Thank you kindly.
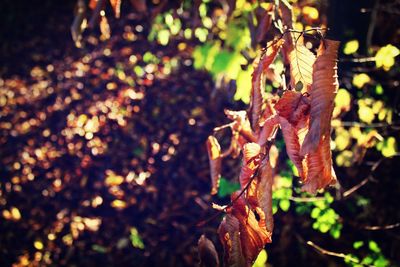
(351, 47)
(214, 156)
(359, 80)
(163, 37)
(385, 57)
(366, 114)
(311, 12)
(358, 244)
(323, 91)
(301, 65)
(261, 259)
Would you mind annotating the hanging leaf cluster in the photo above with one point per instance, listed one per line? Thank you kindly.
(303, 113)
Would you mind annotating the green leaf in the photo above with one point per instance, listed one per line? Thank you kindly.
(136, 239)
(381, 262)
(204, 55)
(226, 187)
(324, 227)
(358, 244)
(389, 147)
(227, 63)
(284, 204)
(374, 246)
(385, 56)
(379, 89)
(261, 259)
(350, 47)
(335, 231)
(243, 84)
(315, 213)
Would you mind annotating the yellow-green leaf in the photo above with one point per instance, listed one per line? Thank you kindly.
(385, 56)
(350, 47)
(359, 80)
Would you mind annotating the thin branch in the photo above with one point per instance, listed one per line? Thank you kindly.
(384, 227)
(336, 254)
(365, 125)
(356, 187)
(358, 60)
(370, 177)
(229, 125)
(306, 199)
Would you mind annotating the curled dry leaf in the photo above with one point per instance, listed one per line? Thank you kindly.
(258, 81)
(320, 172)
(215, 159)
(230, 238)
(322, 94)
(242, 125)
(292, 144)
(264, 196)
(251, 153)
(268, 130)
(207, 252)
(253, 236)
(288, 104)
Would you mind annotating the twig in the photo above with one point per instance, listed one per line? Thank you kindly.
(356, 187)
(217, 129)
(371, 26)
(306, 199)
(384, 227)
(365, 125)
(357, 60)
(336, 254)
(370, 177)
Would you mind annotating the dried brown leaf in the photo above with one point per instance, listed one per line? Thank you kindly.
(230, 238)
(322, 94)
(215, 159)
(253, 236)
(207, 252)
(292, 144)
(258, 81)
(320, 172)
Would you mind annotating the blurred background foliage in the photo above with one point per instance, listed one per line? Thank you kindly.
(102, 147)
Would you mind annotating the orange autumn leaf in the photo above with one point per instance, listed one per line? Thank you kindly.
(292, 144)
(264, 196)
(320, 172)
(253, 237)
(258, 81)
(322, 94)
(241, 125)
(268, 130)
(230, 238)
(215, 159)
